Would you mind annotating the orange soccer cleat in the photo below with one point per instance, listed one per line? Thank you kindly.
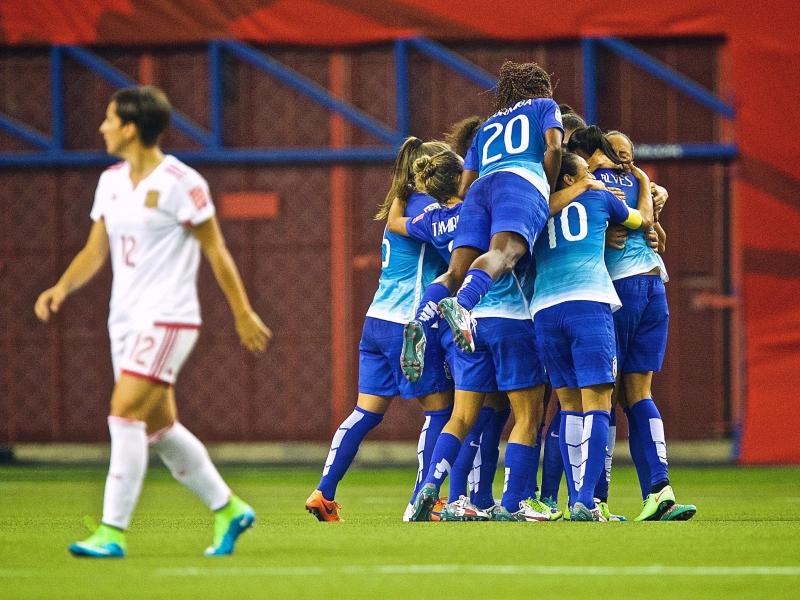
(324, 510)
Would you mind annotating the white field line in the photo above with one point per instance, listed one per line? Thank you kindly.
(653, 570)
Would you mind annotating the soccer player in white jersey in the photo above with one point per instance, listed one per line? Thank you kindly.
(153, 215)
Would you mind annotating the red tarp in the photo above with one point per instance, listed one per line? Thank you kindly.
(764, 74)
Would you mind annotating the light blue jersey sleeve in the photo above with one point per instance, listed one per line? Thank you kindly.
(636, 257)
(437, 228)
(569, 254)
(407, 268)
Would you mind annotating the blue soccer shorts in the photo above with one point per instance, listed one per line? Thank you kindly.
(642, 323)
(577, 344)
(379, 372)
(498, 202)
(505, 358)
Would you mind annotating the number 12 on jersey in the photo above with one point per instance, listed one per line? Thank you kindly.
(583, 225)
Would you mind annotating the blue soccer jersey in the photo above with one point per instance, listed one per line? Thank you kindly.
(636, 257)
(438, 228)
(512, 140)
(407, 267)
(569, 254)
(471, 159)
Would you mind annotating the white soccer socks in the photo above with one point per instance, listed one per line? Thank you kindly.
(187, 459)
(126, 470)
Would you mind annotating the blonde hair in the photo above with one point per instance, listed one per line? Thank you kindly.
(402, 174)
(438, 175)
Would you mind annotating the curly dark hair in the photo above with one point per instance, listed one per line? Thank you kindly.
(520, 81)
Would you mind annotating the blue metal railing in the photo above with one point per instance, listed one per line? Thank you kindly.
(672, 78)
(51, 150)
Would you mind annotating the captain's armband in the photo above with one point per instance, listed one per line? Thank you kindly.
(634, 220)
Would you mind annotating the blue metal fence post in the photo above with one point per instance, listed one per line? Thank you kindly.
(215, 93)
(589, 49)
(56, 99)
(669, 75)
(401, 87)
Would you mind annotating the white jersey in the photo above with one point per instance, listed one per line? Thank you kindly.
(154, 256)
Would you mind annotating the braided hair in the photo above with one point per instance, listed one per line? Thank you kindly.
(520, 81)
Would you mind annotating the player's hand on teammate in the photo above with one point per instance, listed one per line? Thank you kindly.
(616, 236)
(617, 192)
(660, 197)
(49, 301)
(651, 237)
(639, 174)
(255, 336)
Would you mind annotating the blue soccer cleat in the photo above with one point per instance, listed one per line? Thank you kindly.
(230, 522)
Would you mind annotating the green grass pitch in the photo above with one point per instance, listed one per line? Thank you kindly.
(744, 542)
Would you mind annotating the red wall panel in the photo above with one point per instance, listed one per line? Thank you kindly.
(57, 379)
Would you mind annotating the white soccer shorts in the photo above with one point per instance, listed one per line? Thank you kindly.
(156, 353)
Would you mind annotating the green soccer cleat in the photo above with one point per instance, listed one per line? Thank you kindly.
(656, 505)
(230, 521)
(567, 514)
(607, 514)
(584, 513)
(460, 322)
(679, 512)
(498, 513)
(412, 356)
(423, 503)
(555, 514)
(105, 542)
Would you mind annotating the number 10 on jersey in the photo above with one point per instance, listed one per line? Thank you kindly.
(583, 225)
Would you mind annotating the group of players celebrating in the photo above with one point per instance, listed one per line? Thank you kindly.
(519, 256)
(482, 304)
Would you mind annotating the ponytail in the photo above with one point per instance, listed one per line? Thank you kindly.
(402, 185)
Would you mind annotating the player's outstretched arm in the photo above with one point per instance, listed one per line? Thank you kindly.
(252, 331)
(662, 238)
(82, 268)
(552, 155)
(561, 199)
(660, 197)
(396, 221)
(645, 204)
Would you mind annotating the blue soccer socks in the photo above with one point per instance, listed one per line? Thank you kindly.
(552, 462)
(435, 420)
(595, 435)
(571, 443)
(637, 455)
(444, 455)
(650, 434)
(427, 311)
(601, 489)
(475, 286)
(344, 447)
(519, 466)
(459, 474)
(485, 465)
